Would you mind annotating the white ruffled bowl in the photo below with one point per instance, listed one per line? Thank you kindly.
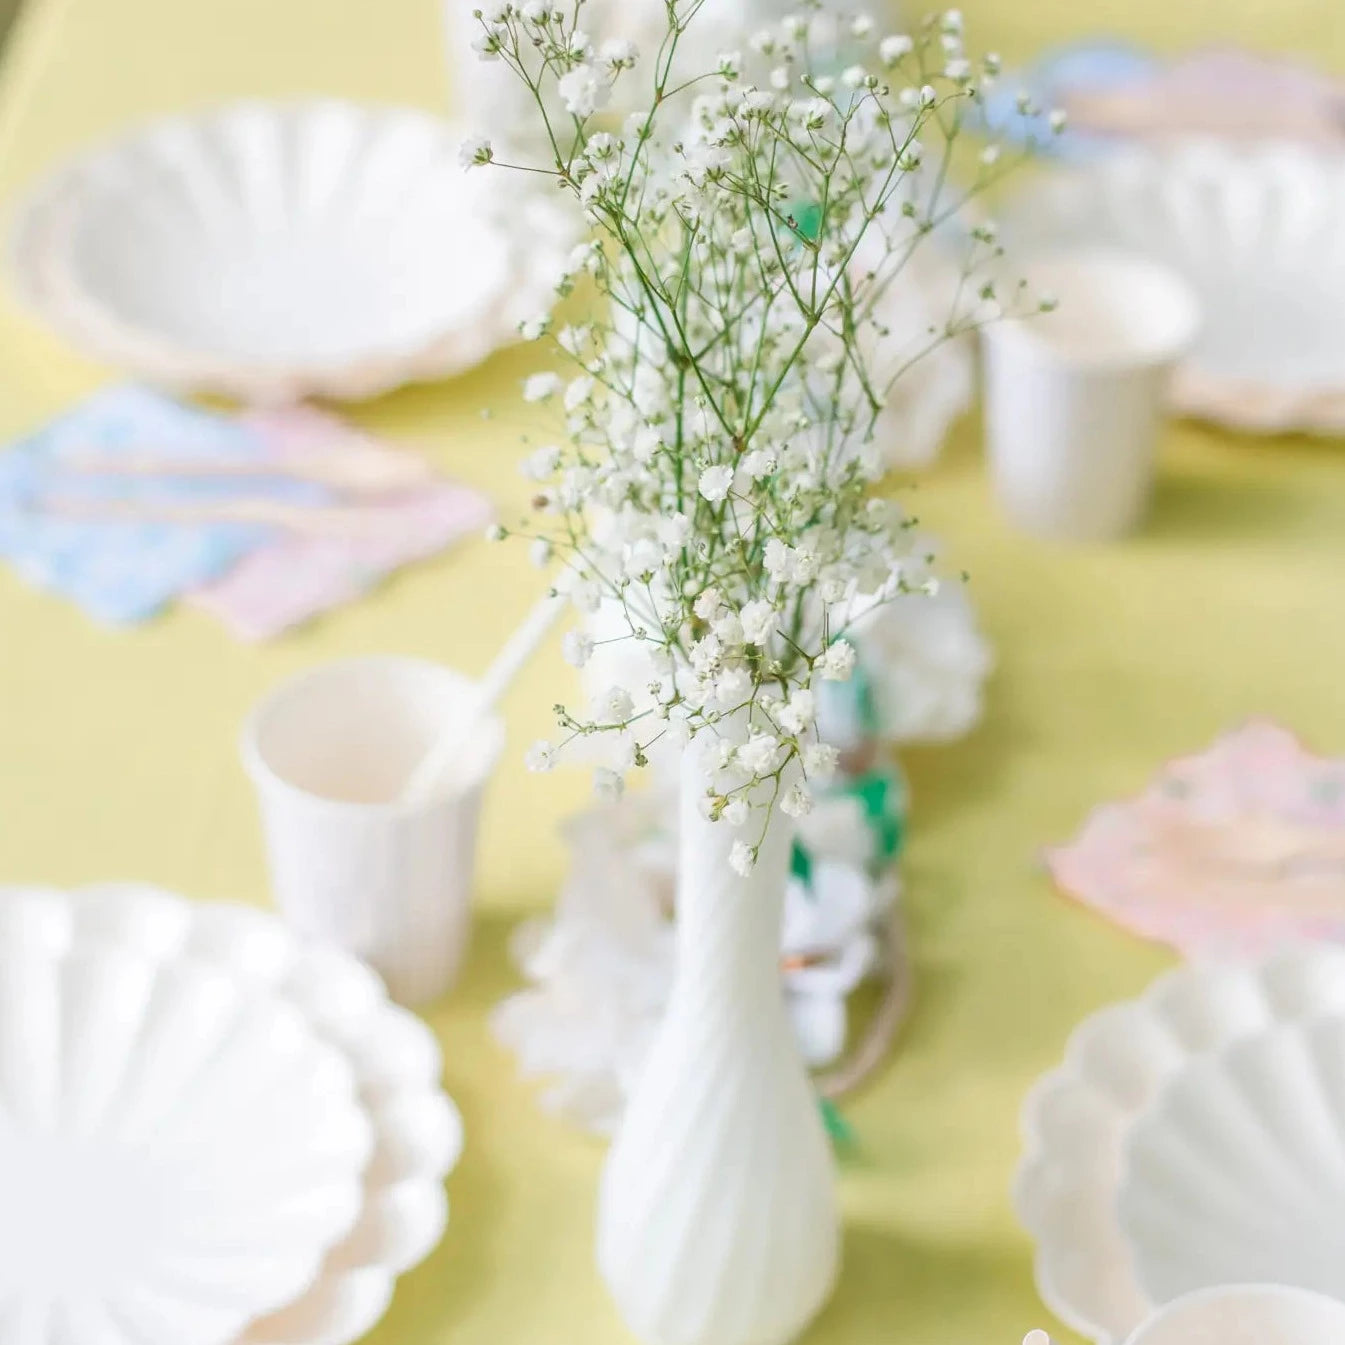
(275, 251)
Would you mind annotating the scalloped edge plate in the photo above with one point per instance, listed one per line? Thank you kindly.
(532, 236)
(1074, 1119)
(1236, 1173)
(395, 1058)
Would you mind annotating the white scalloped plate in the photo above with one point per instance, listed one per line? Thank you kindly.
(1117, 1061)
(1259, 233)
(274, 251)
(178, 1152)
(1236, 1173)
(392, 1055)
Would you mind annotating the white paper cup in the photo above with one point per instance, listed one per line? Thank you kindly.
(328, 752)
(1265, 1314)
(1074, 398)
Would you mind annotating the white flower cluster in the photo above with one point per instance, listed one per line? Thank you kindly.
(601, 966)
(717, 479)
(496, 97)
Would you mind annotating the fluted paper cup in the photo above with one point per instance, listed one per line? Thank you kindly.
(1074, 399)
(328, 752)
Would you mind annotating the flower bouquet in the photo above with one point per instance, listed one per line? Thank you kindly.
(715, 497)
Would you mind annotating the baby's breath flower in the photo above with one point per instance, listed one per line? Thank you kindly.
(815, 114)
(576, 648)
(475, 152)
(540, 465)
(583, 91)
(540, 757)
(796, 715)
(714, 483)
(797, 802)
(758, 620)
(572, 339)
(758, 463)
(617, 704)
(778, 559)
(839, 661)
(820, 760)
(608, 785)
(742, 859)
(895, 48)
(733, 686)
(619, 54)
(579, 392)
(707, 606)
(488, 45)
(760, 754)
(540, 387)
(674, 530)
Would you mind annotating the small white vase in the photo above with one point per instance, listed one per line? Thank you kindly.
(717, 1220)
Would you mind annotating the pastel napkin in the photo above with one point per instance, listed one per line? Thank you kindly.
(118, 570)
(264, 520)
(1234, 850)
(298, 577)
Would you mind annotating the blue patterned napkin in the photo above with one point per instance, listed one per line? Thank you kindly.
(125, 570)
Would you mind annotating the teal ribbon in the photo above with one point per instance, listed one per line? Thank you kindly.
(881, 794)
(842, 1133)
(883, 797)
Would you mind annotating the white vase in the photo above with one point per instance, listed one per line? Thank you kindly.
(717, 1220)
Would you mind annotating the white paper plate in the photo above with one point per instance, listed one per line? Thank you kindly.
(1236, 1173)
(276, 251)
(178, 1152)
(391, 1055)
(1259, 233)
(1076, 1118)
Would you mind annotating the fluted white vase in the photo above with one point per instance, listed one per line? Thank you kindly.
(717, 1220)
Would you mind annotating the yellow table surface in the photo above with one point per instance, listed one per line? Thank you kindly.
(117, 749)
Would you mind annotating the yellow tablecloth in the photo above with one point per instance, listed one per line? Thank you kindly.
(117, 750)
